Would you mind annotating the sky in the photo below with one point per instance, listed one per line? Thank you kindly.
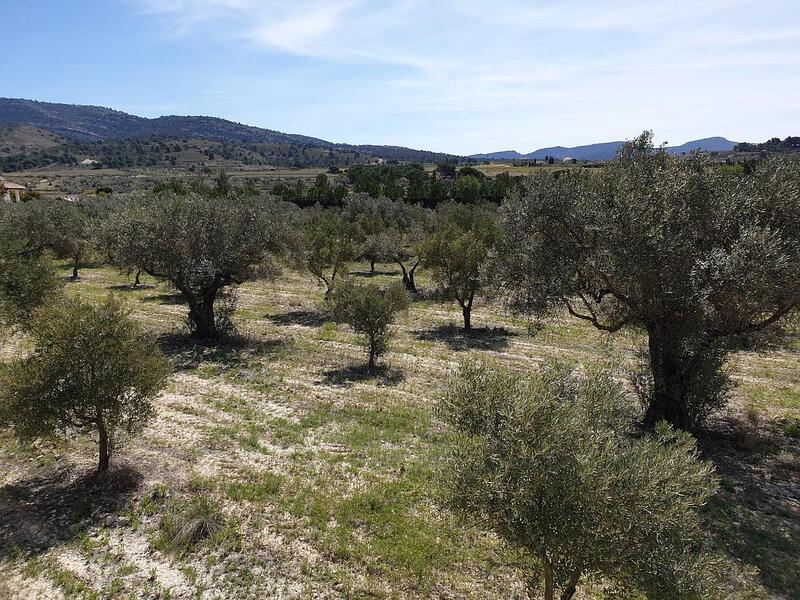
(459, 76)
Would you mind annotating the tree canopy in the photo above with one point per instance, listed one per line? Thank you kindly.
(552, 463)
(91, 370)
(693, 256)
(200, 244)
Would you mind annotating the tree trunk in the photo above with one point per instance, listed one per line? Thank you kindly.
(467, 312)
(571, 588)
(201, 315)
(548, 582)
(408, 277)
(75, 269)
(668, 402)
(371, 265)
(137, 281)
(105, 450)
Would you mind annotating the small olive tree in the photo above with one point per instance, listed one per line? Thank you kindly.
(553, 464)
(369, 310)
(27, 280)
(70, 230)
(201, 245)
(457, 253)
(330, 242)
(91, 370)
(695, 257)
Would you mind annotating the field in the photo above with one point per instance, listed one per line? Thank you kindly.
(322, 477)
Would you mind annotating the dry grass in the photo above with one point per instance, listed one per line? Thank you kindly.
(322, 476)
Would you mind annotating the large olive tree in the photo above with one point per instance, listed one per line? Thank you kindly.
(692, 256)
(553, 463)
(201, 245)
(91, 371)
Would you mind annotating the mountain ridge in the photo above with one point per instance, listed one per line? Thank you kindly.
(604, 150)
(90, 123)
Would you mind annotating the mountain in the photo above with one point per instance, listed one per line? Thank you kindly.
(81, 123)
(605, 150)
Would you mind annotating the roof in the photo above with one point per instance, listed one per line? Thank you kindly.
(10, 185)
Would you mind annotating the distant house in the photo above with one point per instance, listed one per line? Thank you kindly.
(568, 159)
(88, 162)
(9, 188)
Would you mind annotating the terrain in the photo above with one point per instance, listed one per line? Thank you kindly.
(605, 150)
(324, 475)
(118, 139)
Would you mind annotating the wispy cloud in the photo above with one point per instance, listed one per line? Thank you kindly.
(567, 60)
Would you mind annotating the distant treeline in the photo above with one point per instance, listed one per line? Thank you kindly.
(790, 144)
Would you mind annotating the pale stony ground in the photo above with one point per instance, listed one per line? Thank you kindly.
(325, 477)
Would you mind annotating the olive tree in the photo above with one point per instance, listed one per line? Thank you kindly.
(694, 257)
(553, 464)
(91, 370)
(27, 280)
(330, 242)
(392, 229)
(457, 253)
(70, 230)
(369, 310)
(201, 245)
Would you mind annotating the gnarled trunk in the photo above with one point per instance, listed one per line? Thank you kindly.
(201, 316)
(408, 277)
(668, 402)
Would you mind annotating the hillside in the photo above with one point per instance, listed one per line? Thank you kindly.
(80, 125)
(605, 150)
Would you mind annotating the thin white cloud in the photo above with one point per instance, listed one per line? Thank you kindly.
(560, 64)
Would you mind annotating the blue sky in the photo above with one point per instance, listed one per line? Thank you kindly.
(460, 76)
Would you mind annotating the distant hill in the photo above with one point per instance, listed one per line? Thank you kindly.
(605, 150)
(81, 124)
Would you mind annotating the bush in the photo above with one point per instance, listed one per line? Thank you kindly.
(369, 310)
(553, 464)
(187, 525)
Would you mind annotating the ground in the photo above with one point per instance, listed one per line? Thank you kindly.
(318, 479)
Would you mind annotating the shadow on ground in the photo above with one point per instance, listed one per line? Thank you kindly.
(174, 298)
(55, 508)
(129, 287)
(347, 376)
(374, 273)
(186, 353)
(755, 516)
(458, 340)
(308, 318)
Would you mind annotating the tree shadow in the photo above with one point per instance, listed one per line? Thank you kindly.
(348, 376)
(307, 318)
(55, 508)
(375, 273)
(170, 299)
(129, 287)
(187, 353)
(494, 338)
(755, 516)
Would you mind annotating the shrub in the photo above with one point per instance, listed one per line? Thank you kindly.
(187, 525)
(554, 465)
